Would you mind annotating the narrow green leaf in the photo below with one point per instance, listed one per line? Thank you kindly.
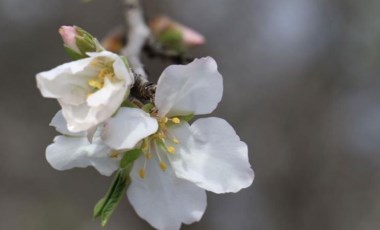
(99, 206)
(107, 205)
(129, 157)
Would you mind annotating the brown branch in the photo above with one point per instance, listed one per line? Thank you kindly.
(138, 33)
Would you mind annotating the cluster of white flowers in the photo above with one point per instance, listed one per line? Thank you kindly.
(178, 160)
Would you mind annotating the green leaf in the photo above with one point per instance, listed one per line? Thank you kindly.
(107, 205)
(129, 157)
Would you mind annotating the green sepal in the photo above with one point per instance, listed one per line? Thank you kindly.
(129, 157)
(106, 206)
(73, 54)
(85, 45)
(173, 39)
(186, 118)
(148, 107)
(129, 104)
(125, 60)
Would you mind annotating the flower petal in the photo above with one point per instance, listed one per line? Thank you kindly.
(211, 155)
(70, 152)
(67, 82)
(79, 117)
(60, 125)
(104, 95)
(83, 117)
(195, 88)
(82, 105)
(164, 200)
(127, 128)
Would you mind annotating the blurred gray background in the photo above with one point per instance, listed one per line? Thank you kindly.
(302, 88)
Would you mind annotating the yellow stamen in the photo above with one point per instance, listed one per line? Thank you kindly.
(163, 166)
(145, 144)
(175, 140)
(95, 83)
(142, 173)
(171, 149)
(164, 120)
(148, 156)
(161, 135)
(176, 120)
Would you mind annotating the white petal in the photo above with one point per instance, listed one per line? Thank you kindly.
(67, 82)
(70, 152)
(83, 117)
(79, 117)
(104, 95)
(127, 128)
(60, 125)
(195, 88)
(105, 165)
(211, 155)
(163, 200)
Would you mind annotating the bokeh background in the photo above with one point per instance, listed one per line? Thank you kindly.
(302, 89)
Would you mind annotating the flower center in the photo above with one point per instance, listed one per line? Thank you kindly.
(105, 70)
(160, 143)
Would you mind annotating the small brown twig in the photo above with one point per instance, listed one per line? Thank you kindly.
(138, 33)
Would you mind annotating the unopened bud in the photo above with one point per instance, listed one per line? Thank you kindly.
(68, 34)
(78, 42)
(174, 34)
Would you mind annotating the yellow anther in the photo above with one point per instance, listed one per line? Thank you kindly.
(171, 149)
(164, 120)
(142, 173)
(175, 140)
(95, 83)
(163, 166)
(161, 135)
(114, 154)
(148, 156)
(176, 120)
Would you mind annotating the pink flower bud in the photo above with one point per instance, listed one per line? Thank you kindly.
(190, 37)
(68, 34)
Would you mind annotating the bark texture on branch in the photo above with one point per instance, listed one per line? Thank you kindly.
(137, 35)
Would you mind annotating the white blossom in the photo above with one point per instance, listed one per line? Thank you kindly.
(181, 161)
(72, 150)
(89, 90)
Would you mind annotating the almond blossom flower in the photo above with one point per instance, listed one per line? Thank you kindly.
(74, 150)
(180, 161)
(89, 90)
